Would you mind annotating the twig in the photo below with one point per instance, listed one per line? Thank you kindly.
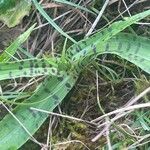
(64, 116)
(107, 135)
(49, 134)
(125, 109)
(137, 143)
(72, 141)
(129, 104)
(98, 18)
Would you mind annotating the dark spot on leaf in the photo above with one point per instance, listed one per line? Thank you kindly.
(25, 73)
(35, 60)
(31, 64)
(71, 48)
(84, 52)
(50, 65)
(45, 70)
(55, 97)
(93, 48)
(142, 60)
(10, 74)
(80, 65)
(43, 83)
(117, 37)
(48, 79)
(20, 67)
(128, 47)
(77, 49)
(102, 32)
(43, 65)
(134, 38)
(60, 78)
(33, 112)
(53, 70)
(109, 30)
(70, 53)
(47, 90)
(35, 95)
(107, 47)
(68, 74)
(58, 73)
(74, 77)
(119, 46)
(138, 48)
(80, 47)
(21, 62)
(68, 85)
(36, 65)
(84, 42)
(74, 59)
(31, 71)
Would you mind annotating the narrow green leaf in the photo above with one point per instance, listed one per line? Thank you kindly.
(45, 15)
(11, 50)
(15, 95)
(74, 5)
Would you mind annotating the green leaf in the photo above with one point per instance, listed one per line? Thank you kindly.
(86, 46)
(45, 15)
(32, 120)
(15, 95)
(74, 5)
(28, 68)
(132, 48)
(11, 50)
(12, 11)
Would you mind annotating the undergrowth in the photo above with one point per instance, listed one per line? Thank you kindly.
(95, 76)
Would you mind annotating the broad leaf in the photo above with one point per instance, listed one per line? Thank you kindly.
(28, 68)
(32, 120)
(83, 47)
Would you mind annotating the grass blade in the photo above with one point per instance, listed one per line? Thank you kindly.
(74, 5)
(11, 50)
(45, 15)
